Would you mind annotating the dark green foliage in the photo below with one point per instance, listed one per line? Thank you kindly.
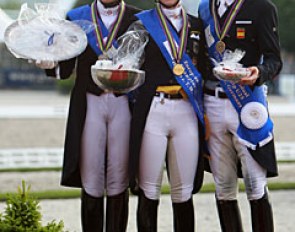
(65, 86)
(82, 2)
(22, 214)
(22, 211)
(286, 10)
(142, 4)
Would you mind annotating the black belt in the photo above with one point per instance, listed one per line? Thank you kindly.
(169, 96)
(215, 93)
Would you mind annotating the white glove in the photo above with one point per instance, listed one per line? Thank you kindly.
(45, 64)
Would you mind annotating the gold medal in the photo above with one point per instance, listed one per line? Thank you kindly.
(176, 51)
(220, 46)
(178, 69)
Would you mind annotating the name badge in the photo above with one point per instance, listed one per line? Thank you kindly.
(244, 22)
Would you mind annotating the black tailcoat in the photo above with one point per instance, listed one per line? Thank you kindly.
(258, 21)
(77, 112)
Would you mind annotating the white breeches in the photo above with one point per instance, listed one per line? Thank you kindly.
(105, 145)
(171, 129)
(226, 150)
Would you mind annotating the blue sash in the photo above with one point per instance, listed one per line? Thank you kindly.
(191, 80)
(84, 13)
(239, 95)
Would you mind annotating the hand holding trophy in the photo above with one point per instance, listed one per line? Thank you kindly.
(229, 69)
(45, 64)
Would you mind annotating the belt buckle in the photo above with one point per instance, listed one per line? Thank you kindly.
(162, 98)
(217, 91)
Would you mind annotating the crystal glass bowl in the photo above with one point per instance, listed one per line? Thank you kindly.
(232, 72)
(117, 80)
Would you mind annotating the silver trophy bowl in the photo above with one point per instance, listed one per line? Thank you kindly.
(117, 80)
(45, 39)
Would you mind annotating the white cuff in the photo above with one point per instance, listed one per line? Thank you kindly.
(57, 72)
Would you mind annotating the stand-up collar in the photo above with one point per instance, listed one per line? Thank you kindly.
(106, 10)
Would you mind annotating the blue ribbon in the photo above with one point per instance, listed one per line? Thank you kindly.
(191, 80)
(84, 13)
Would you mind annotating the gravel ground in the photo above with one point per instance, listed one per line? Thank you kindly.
(205, 212)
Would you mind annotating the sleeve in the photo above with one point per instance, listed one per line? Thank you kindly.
(64, 69)
(204, 64)
(269, 45)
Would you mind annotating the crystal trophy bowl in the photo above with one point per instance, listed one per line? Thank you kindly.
(229, 69)
(231, 72)
(117, 80)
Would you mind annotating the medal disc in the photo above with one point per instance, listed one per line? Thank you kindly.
(178, 69)
(103, 57)
(220, 46)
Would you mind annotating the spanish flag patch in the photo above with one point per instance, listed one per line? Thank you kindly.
(241, 33)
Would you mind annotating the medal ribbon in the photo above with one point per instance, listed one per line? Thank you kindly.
(114, 30)
(221, 32)
(177, 54)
